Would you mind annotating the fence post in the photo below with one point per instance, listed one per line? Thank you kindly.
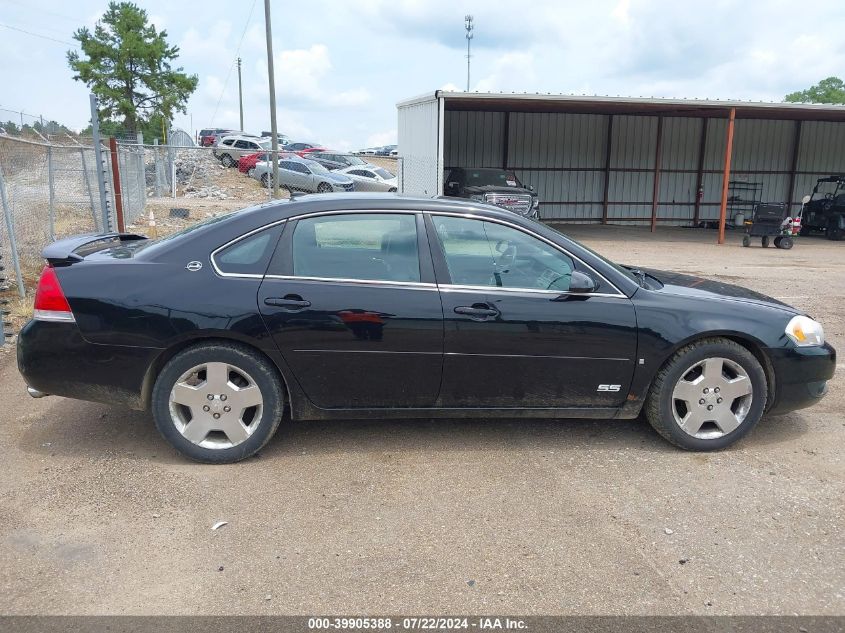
(118, 191)
(158, 167)
(52, 193)
(10, 230)
(88, 185)
(101, 165)
(141, 175)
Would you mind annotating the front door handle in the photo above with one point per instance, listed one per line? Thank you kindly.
(290, 302)
(478, 311)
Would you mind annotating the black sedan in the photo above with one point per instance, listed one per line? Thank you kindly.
(351, 306)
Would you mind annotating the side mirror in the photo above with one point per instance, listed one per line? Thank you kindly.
(582, 283)
(451, 186)
(805, 199)
(530, 188)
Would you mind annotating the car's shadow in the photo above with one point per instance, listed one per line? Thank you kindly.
(70, 428)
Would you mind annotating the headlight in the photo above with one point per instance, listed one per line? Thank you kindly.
(805, 332)
(478, 197)
(536, 204)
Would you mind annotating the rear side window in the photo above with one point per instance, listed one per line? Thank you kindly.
(250, 255)
(370, 247)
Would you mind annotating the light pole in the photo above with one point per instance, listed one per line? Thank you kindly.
(469, 27)
(240, 95)
(273, 129)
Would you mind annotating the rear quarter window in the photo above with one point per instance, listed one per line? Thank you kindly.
(249, 255)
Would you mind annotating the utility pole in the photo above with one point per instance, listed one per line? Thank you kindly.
(240, 95)
(273, 129)
(468, 25)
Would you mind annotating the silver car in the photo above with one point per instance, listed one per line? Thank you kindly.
(300, 174)
(370, 178)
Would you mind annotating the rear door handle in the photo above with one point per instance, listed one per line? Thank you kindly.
(290, 303)
(478, 311)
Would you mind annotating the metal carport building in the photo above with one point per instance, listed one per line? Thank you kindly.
(625, 160)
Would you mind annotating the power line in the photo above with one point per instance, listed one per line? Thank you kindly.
(43, 37)
(229, 74)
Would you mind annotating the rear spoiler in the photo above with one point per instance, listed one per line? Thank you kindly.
(63, 251)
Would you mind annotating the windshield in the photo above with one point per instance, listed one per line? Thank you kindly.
(825, 188)
(491, 177)
(384, 173)
(354, 160)
(316, 168)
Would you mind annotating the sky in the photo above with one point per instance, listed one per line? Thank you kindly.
(342, 65)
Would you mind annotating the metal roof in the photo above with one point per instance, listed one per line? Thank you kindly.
(594, 104)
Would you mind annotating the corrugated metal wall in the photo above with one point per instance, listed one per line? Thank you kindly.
(564, 156)
(420, 171)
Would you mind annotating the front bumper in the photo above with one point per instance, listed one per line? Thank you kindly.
(55, 359)
(801, 375)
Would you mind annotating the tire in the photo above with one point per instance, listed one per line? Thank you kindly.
(266, 181)
(227, 161)
(778, 241)
(392, 190)
(765, 242)
(668, 414)
(234, 435)
(746, 241)
(833, 232)
(786, 243)
(324, 187)
(251, 172)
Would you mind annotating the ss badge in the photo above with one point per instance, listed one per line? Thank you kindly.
(609, 388)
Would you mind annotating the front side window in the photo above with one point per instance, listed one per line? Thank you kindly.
(481, 253)
(370, 247)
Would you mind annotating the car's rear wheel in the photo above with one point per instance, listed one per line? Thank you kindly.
(218, 403)
(708, 395)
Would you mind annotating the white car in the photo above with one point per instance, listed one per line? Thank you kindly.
(370, 178)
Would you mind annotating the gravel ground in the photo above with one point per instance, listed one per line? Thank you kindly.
(473, 516)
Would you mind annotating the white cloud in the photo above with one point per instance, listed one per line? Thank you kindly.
(304, 76)
(388, 137)
(511, 71)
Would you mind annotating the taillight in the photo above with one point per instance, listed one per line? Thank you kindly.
(50, 301)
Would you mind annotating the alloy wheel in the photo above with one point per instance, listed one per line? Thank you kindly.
(216, 405)
(712, 398)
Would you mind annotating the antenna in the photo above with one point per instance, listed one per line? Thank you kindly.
(468, 25)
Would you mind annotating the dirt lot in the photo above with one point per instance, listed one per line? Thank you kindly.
(545, 517)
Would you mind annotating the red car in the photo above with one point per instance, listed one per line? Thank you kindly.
(304, 152)
(246, 163)
(208, 136)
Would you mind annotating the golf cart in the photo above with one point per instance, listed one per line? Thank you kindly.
(825, 209)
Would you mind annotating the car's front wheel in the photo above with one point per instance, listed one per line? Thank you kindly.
(708, 395)
(324, 187)
(218, 402)
(227, 161)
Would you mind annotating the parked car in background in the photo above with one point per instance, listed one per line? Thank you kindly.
(230, 148)
(336, 160)
(395, 151)
(378, 306)
(209, 136)
(303, 148)
(300, 174)
(368, 151)
(283, 139)
(499, 187)
(247, 163)
(824, 211)
(370, 178)
(385, 151)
